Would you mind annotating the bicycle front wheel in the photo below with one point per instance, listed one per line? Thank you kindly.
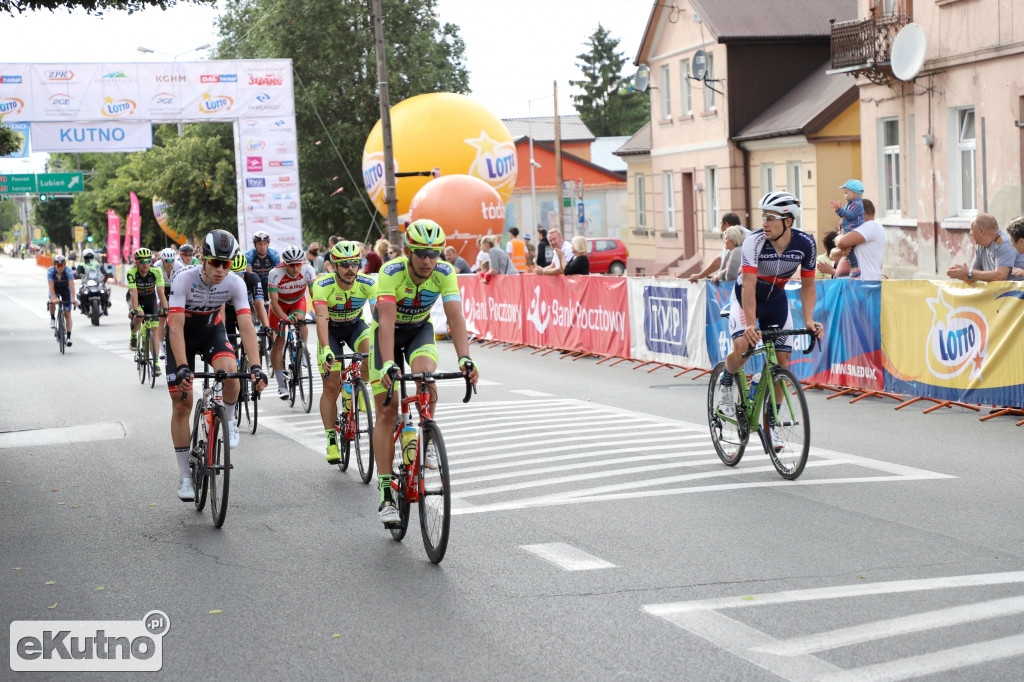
(786, 424)
(150, 357)
(304, 377)
(197, 455)
(62, 332)
(435, 494)
(292, 353)
(140, 358)
(362, 443)
(219, 461)
(727, 436)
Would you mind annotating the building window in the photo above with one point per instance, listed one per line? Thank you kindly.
(767, 178)
(711, 196)
(890, 7)
(709, 94)
(966, 147)
(666, 93)
(891, 165)
(669, 201)
(641, 202)
(794, 183)
(684, 86)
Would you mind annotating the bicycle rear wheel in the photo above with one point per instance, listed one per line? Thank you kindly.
(435, 494)
(304, 377)
(291, 353)
(150, 357)
(363, 441)
(727, 435)
(220, 475)
(62, 332)
(197, 456)
(140, 358)
(789, 441)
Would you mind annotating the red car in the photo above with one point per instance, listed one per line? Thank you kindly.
(606, 255)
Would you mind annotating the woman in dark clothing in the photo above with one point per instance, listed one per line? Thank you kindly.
(580, 264)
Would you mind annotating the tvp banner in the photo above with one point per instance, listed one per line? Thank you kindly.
(953, 341)
(667, 321)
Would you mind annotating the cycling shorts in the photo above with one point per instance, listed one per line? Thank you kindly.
(774, 313)
(288, 308)
(209, 341)
(149, 304)
(338, 335)
(64, 294)
(411, 341)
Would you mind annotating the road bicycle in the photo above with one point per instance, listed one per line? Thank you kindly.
(424, 479)
(60, 330)
(247, 407)
(354, 425)
(779, 416)
(146, 349)
(265, 337)
(298, 368)
(210, 452)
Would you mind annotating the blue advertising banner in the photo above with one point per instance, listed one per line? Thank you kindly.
(717, 329)
(665, 320)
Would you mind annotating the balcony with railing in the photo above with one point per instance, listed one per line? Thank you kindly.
(862, 47)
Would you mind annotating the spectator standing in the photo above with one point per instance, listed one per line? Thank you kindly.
(498, 262)
(733, 258)
(373, 260)
(851, 216)
(826, 266)
(393, 252)
(580, 263)
(516, 250)
(316, 261)
(995, 258)
(558, 258)
(531, 252)
(1016, 231)
(543, 257)
(482, 257)
(457, 261)
(868, 239)
(716, 264)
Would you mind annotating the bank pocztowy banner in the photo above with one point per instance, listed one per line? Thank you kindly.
(574, 313)
(951, 341)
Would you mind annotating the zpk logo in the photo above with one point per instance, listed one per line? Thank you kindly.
(957, 340)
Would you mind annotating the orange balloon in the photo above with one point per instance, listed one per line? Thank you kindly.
(465, 207)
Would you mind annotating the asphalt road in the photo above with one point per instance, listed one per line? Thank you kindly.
(596, 535)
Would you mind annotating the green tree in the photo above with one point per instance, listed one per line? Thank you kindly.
(96, 7)
(8, 217)
(10, 141)
(606, 103)
(331, 47)
(54, 216)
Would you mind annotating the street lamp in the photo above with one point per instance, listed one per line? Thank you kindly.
(533, 163)
(174, 57)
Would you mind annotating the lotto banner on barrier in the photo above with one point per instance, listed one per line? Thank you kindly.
(952, 341)
(493, 311)
(667, 320)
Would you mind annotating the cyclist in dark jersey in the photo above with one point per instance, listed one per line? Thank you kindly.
(771, 256)
(262, 259)
(145, 295)
(257, 299)
(61, 281)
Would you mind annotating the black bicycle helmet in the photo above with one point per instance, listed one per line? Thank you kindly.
(220, 244)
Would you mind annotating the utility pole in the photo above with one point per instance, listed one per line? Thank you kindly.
(390, 196)
(558, 164)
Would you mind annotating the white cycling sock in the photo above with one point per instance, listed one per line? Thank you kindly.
(229, 409)
(181, 454)
(280, 377)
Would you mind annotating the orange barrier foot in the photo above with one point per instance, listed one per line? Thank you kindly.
(878, 394)
(951, 403)
(845, 391)
(1015, 411)
(699, 374)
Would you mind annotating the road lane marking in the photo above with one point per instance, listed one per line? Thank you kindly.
(63, 435)
(530, 393)
(567, 557)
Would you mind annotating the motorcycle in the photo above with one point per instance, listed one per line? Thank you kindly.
(94, 297)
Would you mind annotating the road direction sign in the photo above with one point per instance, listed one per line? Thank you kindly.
(59, 182)
(18, 183)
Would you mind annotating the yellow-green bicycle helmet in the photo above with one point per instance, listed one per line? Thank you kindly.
(424, 234)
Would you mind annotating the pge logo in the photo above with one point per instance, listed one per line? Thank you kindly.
(665, 319)
(957, 341)
(495, 162)
(164, 99)
(211, 104)
(538, 313)
(89, 645)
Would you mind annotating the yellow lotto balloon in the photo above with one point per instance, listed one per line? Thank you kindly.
(160, 213)
(442, 130)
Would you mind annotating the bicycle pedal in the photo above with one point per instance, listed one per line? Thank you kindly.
(393, 526)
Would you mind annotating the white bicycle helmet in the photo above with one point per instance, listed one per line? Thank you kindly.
(783, 203)
(293, 254)
(168, 255)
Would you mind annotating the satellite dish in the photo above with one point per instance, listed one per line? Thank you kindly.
(642, 78)
(907, 55)
(700, 65)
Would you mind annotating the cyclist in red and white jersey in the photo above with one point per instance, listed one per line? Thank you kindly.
(771, 257)
(194, 326)
(287, 285)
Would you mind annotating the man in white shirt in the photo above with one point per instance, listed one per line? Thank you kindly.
(869, 239)
(561, 254)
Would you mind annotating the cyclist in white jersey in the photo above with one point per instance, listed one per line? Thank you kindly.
(286, 287)
(194, 326)
(771, 256)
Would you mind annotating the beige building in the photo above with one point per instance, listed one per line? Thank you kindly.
(751, 54)
(948, 143)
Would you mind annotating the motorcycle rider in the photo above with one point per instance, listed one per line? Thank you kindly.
(91, 270)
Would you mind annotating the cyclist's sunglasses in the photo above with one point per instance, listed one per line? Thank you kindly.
(347, 263)
(260, 241)
(143, 261)
(218, 263)
(426, 253)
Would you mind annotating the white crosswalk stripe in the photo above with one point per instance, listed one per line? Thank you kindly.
(516, 454)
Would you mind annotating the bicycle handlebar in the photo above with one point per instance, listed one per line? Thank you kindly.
(772, 334)
(432, 377)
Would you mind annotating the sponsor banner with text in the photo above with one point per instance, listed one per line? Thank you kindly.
(493, 310)
(96, 136)
(267, 150)
(953, 341)
(667, 321)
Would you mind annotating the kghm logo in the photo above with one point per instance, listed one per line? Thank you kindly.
(210, 104)
(495, 162)
(89, 646)
(957, 340)
(116, 108)
(11, 105)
